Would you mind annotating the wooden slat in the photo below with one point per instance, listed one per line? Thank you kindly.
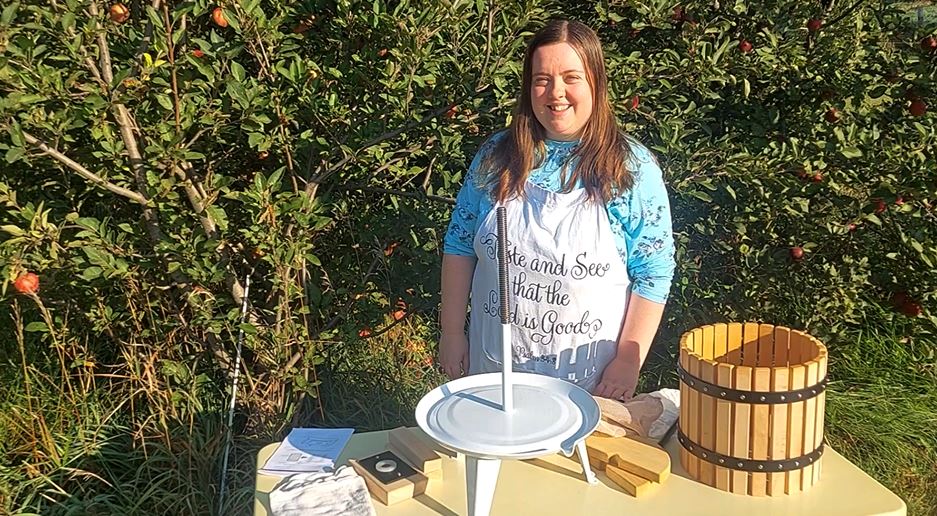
(761, 422)
(720, 342)
(723, 426)
(693, 419)
(821, 410)
(741, 430)
(750, 344)
(723, 412)
(780, 381)
(707, 407)
(734, 343)
(810, 419)
(795, 422)
(684, 403)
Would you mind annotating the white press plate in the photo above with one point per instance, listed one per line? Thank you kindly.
(549, 415)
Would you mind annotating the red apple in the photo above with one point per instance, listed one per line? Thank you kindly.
(917, 108)
(929, 44)
(217, 16)
(26, 283)
(745, 46)
(817, 178)
(832, 116)
(119, 13)
(198, 53)
(814, 24)
(635, 100)
(797, 253)
(880, 206)
(911, 309)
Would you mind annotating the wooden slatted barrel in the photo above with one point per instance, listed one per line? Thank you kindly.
(751, 407)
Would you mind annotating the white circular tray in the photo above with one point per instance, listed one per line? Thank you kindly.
(550, 415)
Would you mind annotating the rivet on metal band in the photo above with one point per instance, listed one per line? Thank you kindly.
(746, 464)
(755, 397)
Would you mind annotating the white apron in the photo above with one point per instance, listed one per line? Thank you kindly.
(568, 288)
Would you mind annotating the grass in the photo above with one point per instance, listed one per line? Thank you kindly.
(882, 411)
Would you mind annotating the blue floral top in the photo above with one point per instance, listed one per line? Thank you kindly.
(640, 217)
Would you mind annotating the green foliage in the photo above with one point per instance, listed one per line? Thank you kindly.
(152, 165)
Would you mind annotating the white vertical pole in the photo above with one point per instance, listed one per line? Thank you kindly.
(507, 357)
(507, 360)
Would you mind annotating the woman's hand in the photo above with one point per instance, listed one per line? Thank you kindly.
(619, 379)
(454, 354)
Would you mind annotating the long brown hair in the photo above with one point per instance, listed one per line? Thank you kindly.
(603, 151)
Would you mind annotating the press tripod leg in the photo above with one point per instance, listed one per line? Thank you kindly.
(481, 476)
(584, 459)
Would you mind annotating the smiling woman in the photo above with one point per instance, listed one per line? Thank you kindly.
(580, 196)
(560, 94)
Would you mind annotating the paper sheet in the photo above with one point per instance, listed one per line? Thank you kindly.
(308, 450)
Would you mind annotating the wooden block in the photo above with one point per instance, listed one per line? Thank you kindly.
(646, 461)
(414, 450)
(434, 474)
(631, 483)
(394, 492)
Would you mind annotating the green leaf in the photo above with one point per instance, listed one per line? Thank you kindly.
(217, 215)
(13, 230)
(703, 196)
(37, 327)
(165, 102)
(9, 13)
(851, 152)
(248, 328)
(14, 153)
(91, 273)
(237, 71)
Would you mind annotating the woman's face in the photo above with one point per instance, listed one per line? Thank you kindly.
(560, 95)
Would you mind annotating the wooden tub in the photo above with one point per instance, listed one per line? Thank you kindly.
(751, 407)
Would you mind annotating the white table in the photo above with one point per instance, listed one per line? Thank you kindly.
(555, 486)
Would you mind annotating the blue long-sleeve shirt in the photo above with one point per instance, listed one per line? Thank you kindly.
(640, 218)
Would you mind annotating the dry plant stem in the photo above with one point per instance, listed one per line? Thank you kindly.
(303, 279)
(18, 326)
(59, 347)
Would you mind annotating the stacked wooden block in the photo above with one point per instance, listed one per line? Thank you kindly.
(416, 452)
(636, 467)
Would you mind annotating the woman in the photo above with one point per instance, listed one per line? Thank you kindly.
(590, 242)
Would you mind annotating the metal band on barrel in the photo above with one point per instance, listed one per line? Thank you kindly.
(756, 397)
(745, 464)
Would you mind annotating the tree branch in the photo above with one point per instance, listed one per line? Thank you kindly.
(82, 171)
